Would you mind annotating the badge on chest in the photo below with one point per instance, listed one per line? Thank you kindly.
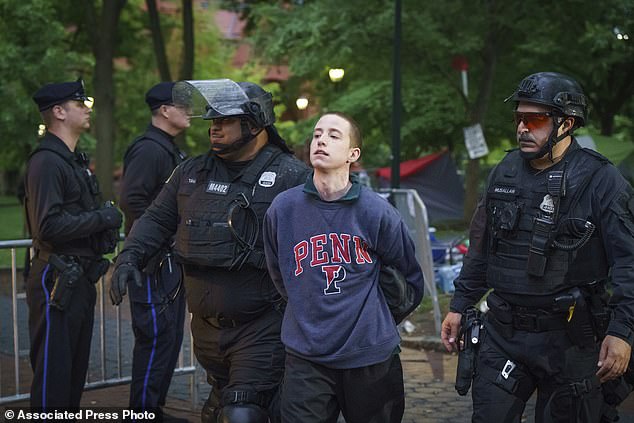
(547, 205)
(267, 179)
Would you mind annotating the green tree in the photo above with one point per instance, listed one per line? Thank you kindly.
(596, 46)
(503, 42)
(26, 63)
(329, 33)
(102, 29)
(109, 44)
(86, 29)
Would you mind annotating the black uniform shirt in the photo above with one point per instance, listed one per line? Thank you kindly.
(59, 221)
(148, 163)
(608, 201)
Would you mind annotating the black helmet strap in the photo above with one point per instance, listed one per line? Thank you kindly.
(553, 139)
(245, 138)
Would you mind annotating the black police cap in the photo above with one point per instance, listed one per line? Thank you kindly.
(159, 95)
(51, 94)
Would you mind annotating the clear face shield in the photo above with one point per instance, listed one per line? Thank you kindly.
(220, 98)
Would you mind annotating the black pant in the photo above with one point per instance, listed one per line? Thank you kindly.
(546, 361)
(312, 393)
(246, 358)
(158, 335)
(60, 340)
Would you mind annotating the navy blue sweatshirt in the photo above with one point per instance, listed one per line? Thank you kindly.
(325, 258)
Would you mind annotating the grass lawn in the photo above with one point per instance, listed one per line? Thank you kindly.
(11, 218)
(11, 227)
(613, 148)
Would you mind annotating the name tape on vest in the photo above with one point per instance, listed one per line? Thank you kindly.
(504, 190)
(221, 188)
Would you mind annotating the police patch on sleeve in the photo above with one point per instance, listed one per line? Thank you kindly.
(267, 179)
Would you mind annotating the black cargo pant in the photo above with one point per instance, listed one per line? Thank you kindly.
(60, 340)
(312, 393)
(562, 373)
(244, 363)
(158, 334)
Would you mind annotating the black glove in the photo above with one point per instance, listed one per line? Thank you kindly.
(120, 278)
(111, 217)
(104, 242)
(398, 294)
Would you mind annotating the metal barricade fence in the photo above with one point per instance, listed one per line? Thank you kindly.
(112, 341)
(414, 214)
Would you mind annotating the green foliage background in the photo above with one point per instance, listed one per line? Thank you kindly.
(45, 40)
(571, 36)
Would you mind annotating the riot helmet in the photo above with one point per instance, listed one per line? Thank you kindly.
(557, 91)
(224, 98)
(262, 105)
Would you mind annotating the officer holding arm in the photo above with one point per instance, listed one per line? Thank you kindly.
(214, 205)
(556, 221)
(71, 229)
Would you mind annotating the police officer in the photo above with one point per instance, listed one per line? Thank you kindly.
(158, 307)
(215, 204)
(556, 220)
(70, 230)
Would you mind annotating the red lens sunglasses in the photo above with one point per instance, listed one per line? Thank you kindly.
(533, 120)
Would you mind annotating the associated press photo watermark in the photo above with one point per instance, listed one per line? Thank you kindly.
(17, 414)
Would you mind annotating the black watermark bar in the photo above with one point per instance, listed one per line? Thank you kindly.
(83, 414)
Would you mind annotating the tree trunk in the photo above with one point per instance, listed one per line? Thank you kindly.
(157, 40)
(477, 113)
(607, 123)
(187, 69)
(103, 31)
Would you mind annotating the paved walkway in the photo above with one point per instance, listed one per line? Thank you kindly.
(429, 380)
(429, 385)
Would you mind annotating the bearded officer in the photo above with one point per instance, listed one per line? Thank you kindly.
(215, 204)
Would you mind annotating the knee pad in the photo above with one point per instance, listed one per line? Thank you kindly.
(243, 413)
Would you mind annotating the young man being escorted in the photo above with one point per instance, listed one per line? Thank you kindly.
(325, 244)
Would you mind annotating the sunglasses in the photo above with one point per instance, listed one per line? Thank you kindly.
(533, 120)
(88, 101)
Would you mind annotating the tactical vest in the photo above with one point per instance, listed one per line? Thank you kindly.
(219, 222)
(89, 198)
(515, 198)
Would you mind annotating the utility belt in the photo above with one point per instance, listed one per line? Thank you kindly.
(92, 268)
(506, 316)
(67, 271)
(222, 322)
(581, 311)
